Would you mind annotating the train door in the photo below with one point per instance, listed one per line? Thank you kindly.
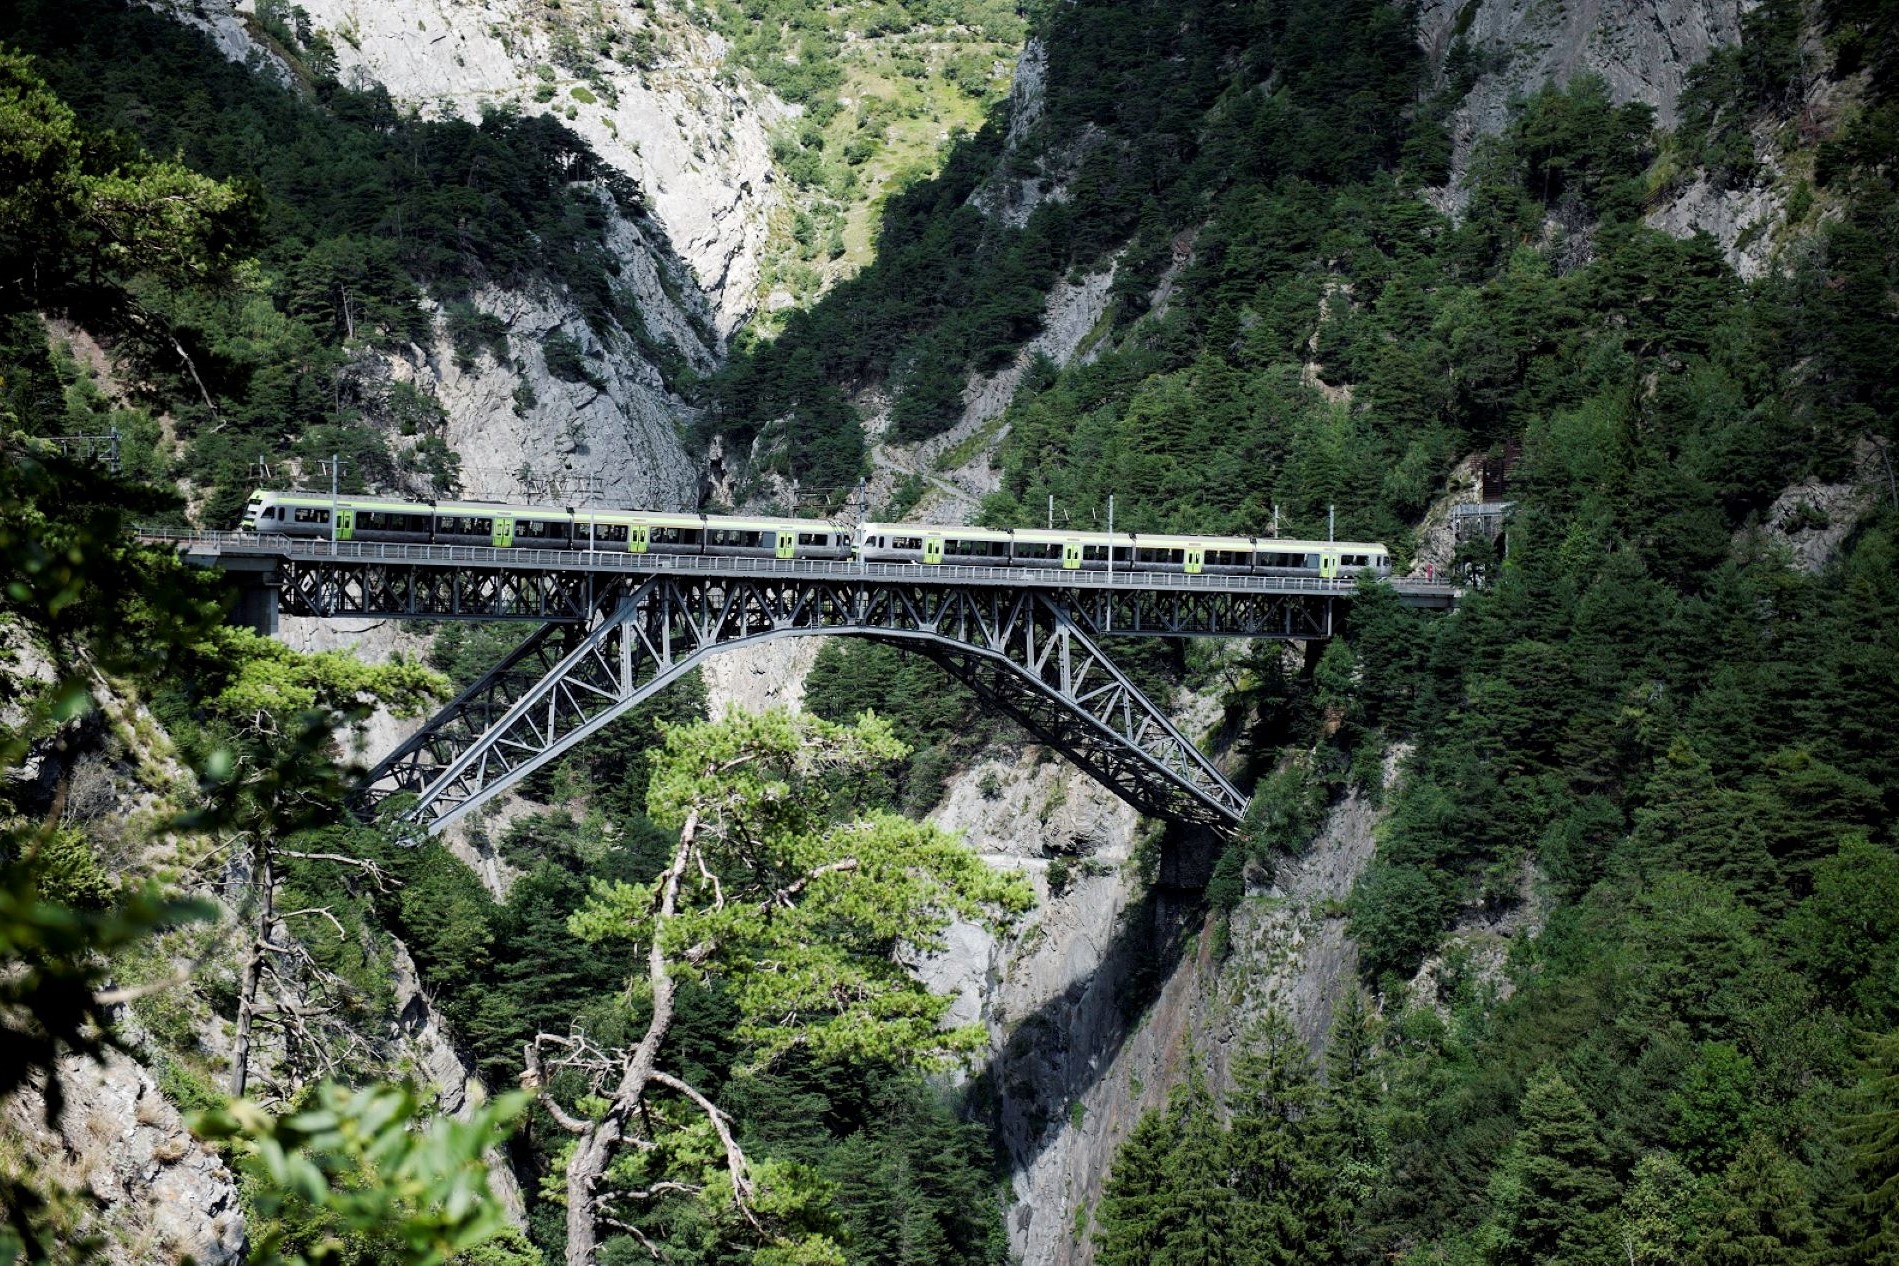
(1196, 558)
(932, 549)
(787, 543)
(504, 532)
(1328, 565)
(1071, 555)
(345, 523)
(638, 537)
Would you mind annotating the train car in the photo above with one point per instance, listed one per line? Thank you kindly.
(1355, 557)
(502, 526)
(633, 532)
(287, 514)
(1327, 560)
(733, 536)
(925, 543)
(1069, 551)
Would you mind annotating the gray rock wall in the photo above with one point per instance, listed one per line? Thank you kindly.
(1642, 48)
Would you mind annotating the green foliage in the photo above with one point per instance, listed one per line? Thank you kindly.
(1872, 1134)
(262, 677)
(1273, 1181)
(362, 1176)
(938, 720)
(243, 280)
(1641, 719)
(1557, 1188)
(865, 887)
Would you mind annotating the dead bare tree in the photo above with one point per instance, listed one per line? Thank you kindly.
(303, 1000)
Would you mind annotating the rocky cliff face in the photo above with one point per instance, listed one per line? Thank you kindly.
(1643, 49)
(156, 1193)
(662, 107)
(607, 430)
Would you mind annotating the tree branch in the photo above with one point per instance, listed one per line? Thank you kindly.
(734, 1158)
(377, 875)
(341, 935)
(783, 896)
(533, 1078)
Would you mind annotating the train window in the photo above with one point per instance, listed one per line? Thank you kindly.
(814, 538)
(1151, 554)
(307, 514)
(270, 512)
(1094, 553)
(1226, 557)
(691, 536)
(1120, 553)
(613, 533)
(663, 535)
(1353, 560)
(906, 542)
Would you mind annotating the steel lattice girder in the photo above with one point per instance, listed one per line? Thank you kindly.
(1024, 651)
(346, 587)
(353, 587)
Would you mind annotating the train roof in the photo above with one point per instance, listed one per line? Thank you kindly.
(938, 529)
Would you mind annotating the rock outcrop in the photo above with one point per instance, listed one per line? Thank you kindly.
(1643, 50)
(663, 108)
(156, 1192)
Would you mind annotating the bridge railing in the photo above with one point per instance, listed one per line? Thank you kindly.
(618, 562)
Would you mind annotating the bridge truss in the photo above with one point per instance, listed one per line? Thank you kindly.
(1029, 653)
(613, 630)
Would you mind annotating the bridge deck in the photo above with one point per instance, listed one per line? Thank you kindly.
(224, 548)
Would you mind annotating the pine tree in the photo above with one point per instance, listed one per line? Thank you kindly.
(1554, 1216)
(1348, 1133)
(1134, 1215)
(1872, 1132)
(1202, 1229)
(1276, 1177)
(1766, 1217)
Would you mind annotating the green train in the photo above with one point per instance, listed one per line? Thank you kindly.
(501, 526)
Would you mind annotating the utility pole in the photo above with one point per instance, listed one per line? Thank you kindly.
(1275, 520)
(1051, 512)
(1108, 614)
(336, 471)
(1331, 516)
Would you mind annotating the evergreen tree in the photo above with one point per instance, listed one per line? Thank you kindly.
(1136, 1215)
(1872, 1133)
(1276, 1171)
(1349, 1134)
(1562, 1185)
(1765, 1213)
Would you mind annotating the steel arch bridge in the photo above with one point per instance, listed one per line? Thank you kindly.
(614, 630)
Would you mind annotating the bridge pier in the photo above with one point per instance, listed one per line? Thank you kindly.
(256, 595)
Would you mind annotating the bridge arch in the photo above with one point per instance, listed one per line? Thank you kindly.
(1025, 653)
